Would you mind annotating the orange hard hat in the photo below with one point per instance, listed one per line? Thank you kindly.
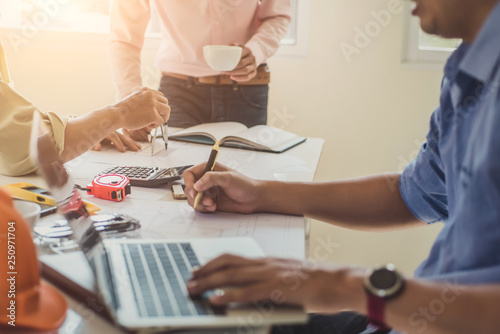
(25, 302)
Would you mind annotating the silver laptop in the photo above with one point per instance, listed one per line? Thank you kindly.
(143, 282)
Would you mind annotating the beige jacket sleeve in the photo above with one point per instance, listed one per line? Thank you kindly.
(16, 120)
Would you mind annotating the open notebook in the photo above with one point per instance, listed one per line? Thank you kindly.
(233, 134)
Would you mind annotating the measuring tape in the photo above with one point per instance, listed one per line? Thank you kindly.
(113, 187)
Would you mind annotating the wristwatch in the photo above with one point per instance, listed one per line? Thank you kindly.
(381, 283)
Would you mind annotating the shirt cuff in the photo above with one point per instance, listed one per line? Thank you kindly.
(406, 195)
(57, 125)
(257, 52)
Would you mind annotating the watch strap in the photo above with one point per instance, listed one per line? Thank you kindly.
(376, 315)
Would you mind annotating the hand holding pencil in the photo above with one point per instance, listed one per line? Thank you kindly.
(221, 189)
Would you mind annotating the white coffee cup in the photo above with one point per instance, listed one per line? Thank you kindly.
(222, 57)
(29, 210)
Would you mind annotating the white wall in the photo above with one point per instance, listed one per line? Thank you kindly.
(371, 112)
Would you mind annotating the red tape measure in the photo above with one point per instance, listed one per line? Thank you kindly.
(113, 187)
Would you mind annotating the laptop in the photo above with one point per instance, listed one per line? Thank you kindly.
(143, 282)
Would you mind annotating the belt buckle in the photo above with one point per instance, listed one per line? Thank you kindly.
(210, 80)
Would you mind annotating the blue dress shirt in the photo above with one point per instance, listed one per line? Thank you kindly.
(455, 179)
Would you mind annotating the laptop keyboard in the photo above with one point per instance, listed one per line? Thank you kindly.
(159, 273)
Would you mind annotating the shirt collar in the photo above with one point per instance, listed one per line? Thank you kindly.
(483, 56)
(452, 65)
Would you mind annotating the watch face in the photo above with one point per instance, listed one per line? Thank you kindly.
(383, 279)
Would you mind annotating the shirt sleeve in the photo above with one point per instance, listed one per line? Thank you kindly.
(275, 17)
(423, 184)
(57, 126)
(16, 121)
(129, 21)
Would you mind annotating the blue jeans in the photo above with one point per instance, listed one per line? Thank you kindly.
(193, 104)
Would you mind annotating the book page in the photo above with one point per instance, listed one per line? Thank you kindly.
(268, 136)
(216, 130)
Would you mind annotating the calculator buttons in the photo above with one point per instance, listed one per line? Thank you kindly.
(148, 176)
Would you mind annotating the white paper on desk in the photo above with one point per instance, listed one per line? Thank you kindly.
(277, 235)
(261, 165)
(110, 155)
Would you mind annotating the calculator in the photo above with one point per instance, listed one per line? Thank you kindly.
(149, 177)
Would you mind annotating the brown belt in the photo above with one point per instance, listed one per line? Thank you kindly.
(263, 77)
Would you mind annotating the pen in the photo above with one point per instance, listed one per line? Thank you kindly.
(208, 167)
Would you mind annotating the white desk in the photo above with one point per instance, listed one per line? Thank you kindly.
(163, 217)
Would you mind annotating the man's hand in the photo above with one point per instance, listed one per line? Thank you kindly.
(279, 280)
(120, 141)
(146, 108)
(246, 68)
(138, 135)
(137, 114)
(223, 190)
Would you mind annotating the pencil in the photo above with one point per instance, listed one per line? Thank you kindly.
(208, 167)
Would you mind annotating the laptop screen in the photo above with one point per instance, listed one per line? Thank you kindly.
(62, 187)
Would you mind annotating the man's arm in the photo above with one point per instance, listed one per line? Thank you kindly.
(146, 108)
(423, 307)
(370, 203)
(129, 20)
(74, 136)
(275, 16)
